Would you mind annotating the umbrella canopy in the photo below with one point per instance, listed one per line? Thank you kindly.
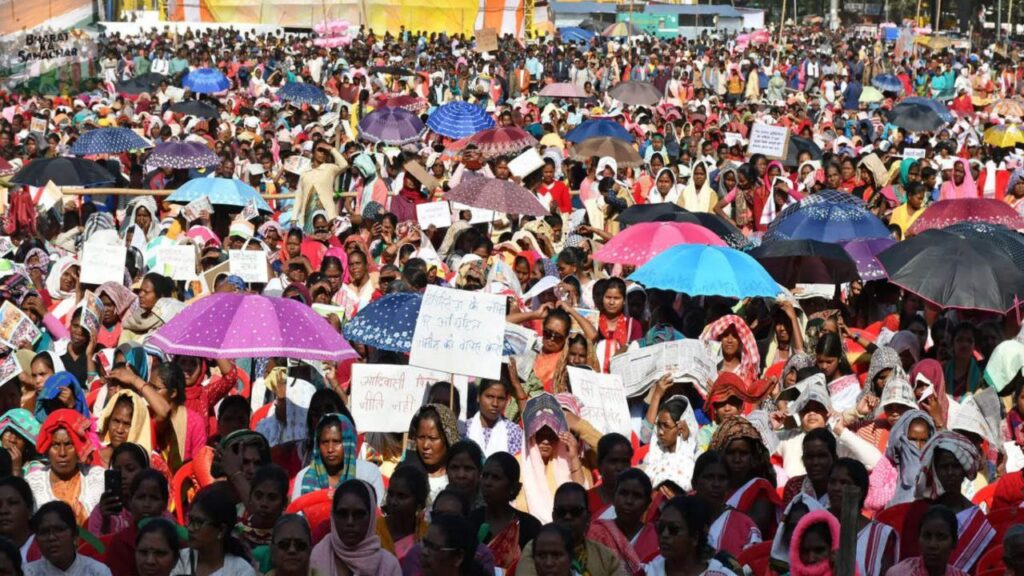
(798, 146)
(915, 117)
(941, 109)
(220, 191)
(63, 172)
(888, 83)
(1004, 136)
(1008, 107)
(108, 141)
(670, 212)
(392, 70)
(827, 222)
(871, 95)
(459, 119)
(499, 195)
(502, 141)
(141, 84)
(206, 81)
(302, 93)
(621, 29)
(563, 90)
(948, 212)
(195, 108)
(699, 270)
(387, 323)
(1008, 241)
(636, 93)
(623, 152)
(408, 102)
(793, 262)
(250, 326)
(181, 155)
(933, 42)
(596, 129)
(865, 256)
(951, 271)
(394, 126)
(637, 244)
(576, 34)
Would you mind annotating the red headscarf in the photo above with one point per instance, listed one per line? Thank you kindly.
(932, 370)
(730, 385)
(78, 428)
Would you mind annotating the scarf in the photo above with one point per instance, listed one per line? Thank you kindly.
(960, 447)
(140, 431)
(123, 298)
(78, 429)
(51, 389)
(905, 455)
(966, 189)
(823, 568)
(540, 496)
(677, 466)
(149, 204)
(365, 558)
(317, 477)
(929, 371)
(499, 435)
(750, 357)
(22, 423)
(729, 385)
(770, 209)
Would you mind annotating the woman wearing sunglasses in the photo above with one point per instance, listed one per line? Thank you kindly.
(291, 545)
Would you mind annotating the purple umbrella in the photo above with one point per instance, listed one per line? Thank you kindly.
(864, 252)
(181, 155)
(247, 326)
(394, 126)
(499, 195)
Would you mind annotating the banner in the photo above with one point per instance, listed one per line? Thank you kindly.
(385, 397)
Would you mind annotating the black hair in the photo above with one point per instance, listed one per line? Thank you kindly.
(271, 473)
(45, 358)
(447, 389)
(163, 527)
(320, 396)
(822, 435)
(561, 531)
(19, 485)
(608, 442)
(415, 480)
(329, 261)
(705, 460)
(696, 515)
(469, 448)
(572, 256)
(831, 345)
(675, 406)
(561, 315)
(486, 383)
(415, 273)
(510, 467)
(219, 505)
(150, 474)
(236, 403)
(573, 488)
(62, 510)
(638, 475)
(137, 453)
(173, 378)
(13, 554)
(858, 473)
(946, 515)
(358, 488)
(162, 285)
(459, 536)
(464, 504)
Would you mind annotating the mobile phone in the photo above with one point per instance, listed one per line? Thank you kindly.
(112, 482)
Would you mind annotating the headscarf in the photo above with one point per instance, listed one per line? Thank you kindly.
(317, 477)
(883, 358)
(780, 549)
(51, 389)
(905, 165)
(449, 424)
(124, 299)
(77, 427)
(750, 361)
(729, 385)
(140, 431)
(824, 567)
(929, 371)
(965, 452)
(770, 210)
(677, 465)
(905, 455)
(53, 278)
(149, 204)
(367, 557)
(96, 222)
(22, 423)
(797, 361)
(42, 260)
(968, 189)
(738, 427)
(906, 341)
(878, 172)
(540, 497)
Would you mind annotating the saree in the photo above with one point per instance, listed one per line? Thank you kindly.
(504, 545)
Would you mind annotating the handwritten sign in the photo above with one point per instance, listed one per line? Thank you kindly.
(249, 265)
(460, 332)
(436, 214)
(102, 263)
(486, 40)
(914, 153)
(16, 328)
(772, 141)
(384, 397)
(177, 262)
(603, 398)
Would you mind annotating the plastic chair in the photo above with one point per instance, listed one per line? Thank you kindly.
(757, 557)
(991, 561)
(183, 475)
(316, 507)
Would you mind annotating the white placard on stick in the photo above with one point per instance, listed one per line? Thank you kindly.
(177, 262)
(249, 265)
(436, 214)
(102, 263)
(477, 215)
(460, 332)
(914, 153)
(772, 141)
(384, 397)
(603, 399)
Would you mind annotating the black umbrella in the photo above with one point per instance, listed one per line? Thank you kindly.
(952, 271)
(392, 70)
(793, 262)
(670, 212)
(142, 83)
(1010, 242)
(195, 108)
(797, 146)
(916, 117)
(62, 172)
(593, 26)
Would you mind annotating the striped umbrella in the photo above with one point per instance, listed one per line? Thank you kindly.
(108, 141)
(458, 119)
(302, 93)
(181, 155)
(394, 126)
(206, 81)
(621, 29)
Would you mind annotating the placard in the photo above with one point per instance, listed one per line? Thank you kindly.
(249, 265)
(102, 263)
(526, 163)
(603, 399)
(92, 310)
(486, 40)
(385, 397)
(917, 153)
(477, 215)
(460, 332)
(436, 214)
(208, 280)
(772, 141)
(177, 262)
(37, 125)
(16, 328)
(250, 211)
(195, 209)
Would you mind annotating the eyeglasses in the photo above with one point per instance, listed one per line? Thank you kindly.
(568, 511)
(296, 544)
(672, 529)
(553, 336)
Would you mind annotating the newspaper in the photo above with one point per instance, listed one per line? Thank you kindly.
(691, 360)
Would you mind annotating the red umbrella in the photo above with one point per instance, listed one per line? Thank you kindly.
(408, 102)
(499, 195)
(948, 212)
(502, 141)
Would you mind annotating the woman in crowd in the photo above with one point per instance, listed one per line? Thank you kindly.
(111, 514)
(17, 505)
(673, 451)
(682, 533)
(552, 551)
(504, 529)
(265, 502)
(333, 460)
(730, 530)
(633, 540)
(56, 531)
(292, 543)
(465, 461)
(117, 302)
(156, 548)
(937, 539)
(739, 348)
(448, 548)
(814, 545)
(72, 474)
(432, 433)
(145, 319)
(148, 496)
(489, 428)
(125, 419)
(19, 430)
(353, 546)
(751, 477)
(404, 522)
(212, 546)
(878, 544)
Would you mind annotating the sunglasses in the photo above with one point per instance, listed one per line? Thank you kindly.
(292, 544)
(553, 336)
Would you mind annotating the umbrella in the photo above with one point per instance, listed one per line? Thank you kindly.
(141, 84)
(941, 109)
(392, 70)
(1009, 241)
(6, 169)
(871, 95)
(864, 254)
(637, 244)
(621, 29)
(1008, 107)
(636, 93)
(798, 146)
(1004, 136)
(502, 141)
(108, 141)
(181, 155)
(458, 119)
(220, 191)
(836, 196)
(596, 128)
(915, 117)
(592, 25)
(948, 212)
(576, 34)
(670, 212)
(394, 126)
(793, 262)
(699, 270)
(563, 90)
(951, 271)
(387, 323)
(827, 222)
(250, 326)
(502, 196)
(888, 83)
(623, 152)
(302, 93)
(62, 172)
(933, 42)
(206, 81)
(408, 102)
(195, 108)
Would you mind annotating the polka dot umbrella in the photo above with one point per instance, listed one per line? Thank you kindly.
(250, 326)
(498, 195)
(302, 93)
(948, 212)
(108, 141)
(181, 155)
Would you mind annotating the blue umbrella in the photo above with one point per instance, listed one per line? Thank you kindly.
(302, 93)
(206, 81)
(941, 109)
(459, 119)
(576, 34)
(700, 270)
(222, 191)
(887, 83)
(108, 141)
(828, 222)
(597, 128)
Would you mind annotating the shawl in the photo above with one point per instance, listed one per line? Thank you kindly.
(694, 200)
(365, 558)
(823, 568)
(499, 435)
(750, 358)
(770, 210)
(905, 165)
(96, 222)
(928, 485)
(21, 422)
(607, 533)
(780, 548)
(64, 302)
(677, 465)
(51, 389)
(915, 567)
(796, 362)
(881, 359)
(124, 299)
(929, 371)
(540, 496)
(735, 428)
(77, 427)
(905, 455)
(729, 385)
(967, 189)
(140, 431)
(149, 204)
(317, 477)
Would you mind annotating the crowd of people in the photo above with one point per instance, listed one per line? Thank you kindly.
(121, 459)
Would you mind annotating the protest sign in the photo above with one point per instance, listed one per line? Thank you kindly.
(914, 153)
(385, 397)
(249, 265)
(603, 399)
(177, 262)
(209, 278)
(16, 328)
(102, 263)
(199, 208)
(772, 141)
(436, 214)
(459, 331)
(477, 215)
(486, 40)
(526, 163)
(92, 310)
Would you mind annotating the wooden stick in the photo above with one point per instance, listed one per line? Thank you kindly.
(161, 193)
(847, 557)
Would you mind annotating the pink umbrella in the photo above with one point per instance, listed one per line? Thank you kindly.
(948, 212)
(408, 102)
(563, 90)
(248, 326)
(641, 242)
